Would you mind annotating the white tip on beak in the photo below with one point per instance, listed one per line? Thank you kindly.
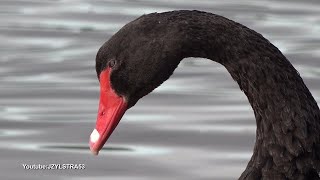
(94, 136)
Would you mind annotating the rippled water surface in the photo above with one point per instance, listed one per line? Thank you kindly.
(197, 125)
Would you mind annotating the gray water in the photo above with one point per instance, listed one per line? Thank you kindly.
(197, 125)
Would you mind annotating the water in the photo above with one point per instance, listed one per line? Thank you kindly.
(197, 125)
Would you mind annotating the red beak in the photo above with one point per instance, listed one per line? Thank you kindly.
(111, 109)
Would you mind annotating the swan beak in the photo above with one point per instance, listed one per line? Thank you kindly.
(111, 109)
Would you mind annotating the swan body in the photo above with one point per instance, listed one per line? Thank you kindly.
(145, 52)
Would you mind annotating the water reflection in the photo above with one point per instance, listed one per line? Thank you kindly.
(4, 133)
(82, 148)
(128, 150)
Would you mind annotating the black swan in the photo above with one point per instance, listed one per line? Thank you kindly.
(145, 52)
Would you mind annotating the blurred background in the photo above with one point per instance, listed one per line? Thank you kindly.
(197, 125)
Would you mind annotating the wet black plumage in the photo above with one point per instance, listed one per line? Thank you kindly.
(148, 49)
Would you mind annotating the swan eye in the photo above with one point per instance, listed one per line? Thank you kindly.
(112, 63)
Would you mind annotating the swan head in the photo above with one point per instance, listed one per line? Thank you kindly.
(131, 64)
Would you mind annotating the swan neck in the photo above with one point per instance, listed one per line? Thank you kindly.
(287, 115)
